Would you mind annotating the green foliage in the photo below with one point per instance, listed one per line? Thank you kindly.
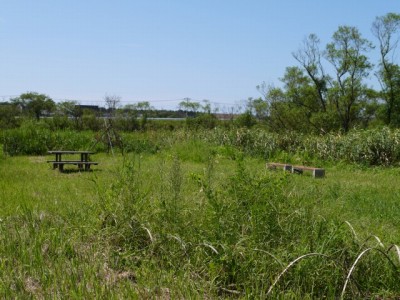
(206, 121)
(192, 150)
(8, 113)
(311, 100)
(90, 121)
(246, 120)
(210, 224)
(380, 147)
(189, 106)
(34, 104)
(240, 233)
(30, 138)
(139, 144)
(36, 138)
(372, 147)
(385, 29)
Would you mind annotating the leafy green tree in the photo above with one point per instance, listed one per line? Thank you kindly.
(258, 107)
(279, 108)
(144, 108)
(386, 29)
(304, 99)
(346, 53)
(309, 57)
(295, 106)
(189, 106)
(371, 108)
(206, 106)
(34, 104)
(71, 109)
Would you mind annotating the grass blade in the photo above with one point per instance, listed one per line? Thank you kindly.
(289, 266)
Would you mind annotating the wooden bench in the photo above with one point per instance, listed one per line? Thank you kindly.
(80, 164)
(316, 172)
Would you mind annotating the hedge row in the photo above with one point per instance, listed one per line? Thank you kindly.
(371, 147)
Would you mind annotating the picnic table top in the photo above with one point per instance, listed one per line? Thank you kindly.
(70, 152)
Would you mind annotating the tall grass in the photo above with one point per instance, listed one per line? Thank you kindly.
(368, 147)
(246, 237)
(169, 225)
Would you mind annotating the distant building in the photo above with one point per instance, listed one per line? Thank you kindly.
(88, 107)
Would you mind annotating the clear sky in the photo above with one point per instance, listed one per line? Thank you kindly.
(163, 51)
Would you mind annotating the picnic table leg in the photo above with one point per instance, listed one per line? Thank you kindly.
(61, 167)
(58, 158)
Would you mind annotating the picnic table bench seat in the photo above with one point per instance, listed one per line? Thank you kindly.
(80, 164)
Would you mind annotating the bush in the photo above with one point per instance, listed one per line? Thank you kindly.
(36, 138)
(206, 121)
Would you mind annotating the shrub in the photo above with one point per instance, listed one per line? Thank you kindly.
(36, 138)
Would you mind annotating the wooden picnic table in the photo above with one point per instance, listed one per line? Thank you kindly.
(83, 161)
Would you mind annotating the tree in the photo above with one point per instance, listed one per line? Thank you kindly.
(206, 106)
(309, 57)
(386, 29)
(258, 108)
(71, 109)
(143, 106)
(346, 54)
(34, 104)
(112, 103)
(305, 102)
(282, 116)
(295, 106)
(189, 106)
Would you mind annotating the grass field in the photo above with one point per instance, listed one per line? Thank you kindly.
(196, 221)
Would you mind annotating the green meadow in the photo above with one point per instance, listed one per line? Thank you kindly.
(183, 215)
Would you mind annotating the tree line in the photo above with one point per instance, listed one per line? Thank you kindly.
(72, 115)
(327, 90)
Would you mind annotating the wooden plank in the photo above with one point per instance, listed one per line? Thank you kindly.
(317, 172)
(285, 167)
(70, 152)
(73, 162)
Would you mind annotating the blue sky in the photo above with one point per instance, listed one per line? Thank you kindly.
(164, 51)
